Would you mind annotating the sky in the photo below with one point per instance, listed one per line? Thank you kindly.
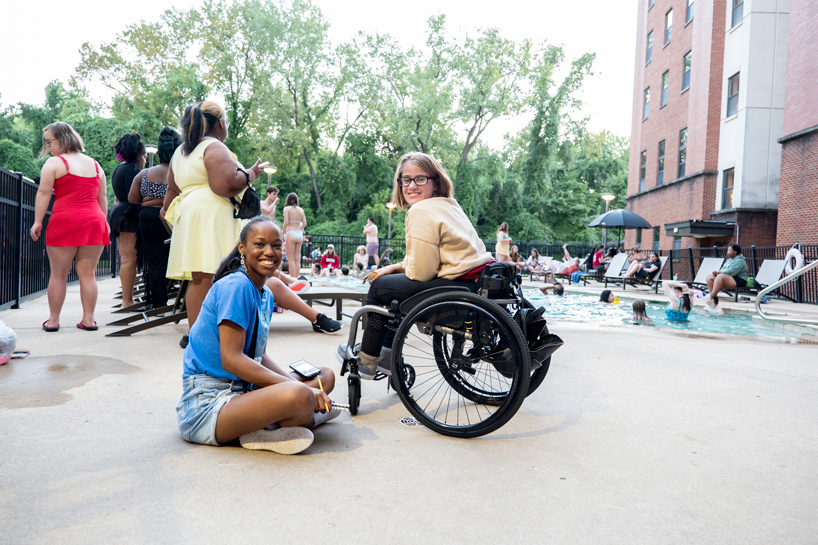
(605, 27)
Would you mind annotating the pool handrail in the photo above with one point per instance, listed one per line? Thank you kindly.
(775, 286)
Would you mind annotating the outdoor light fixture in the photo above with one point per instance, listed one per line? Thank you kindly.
(607, 197)
(151, 150)
(270, 170)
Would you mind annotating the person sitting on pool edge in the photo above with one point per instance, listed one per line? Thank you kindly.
(640, 311)
(556, 288)
(678, 298)
(227, 356)
(733, 273)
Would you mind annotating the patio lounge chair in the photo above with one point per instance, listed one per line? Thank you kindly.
(653, 281)
(618, 265)
(709, 264)
(769, 273)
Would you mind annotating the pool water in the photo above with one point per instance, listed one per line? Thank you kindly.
(587, 309)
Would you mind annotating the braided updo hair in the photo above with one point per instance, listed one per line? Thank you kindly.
(130, 147)
(166, 144)
(232, 262)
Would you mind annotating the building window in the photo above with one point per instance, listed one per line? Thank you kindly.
(682, 152)
(655, 239)
(738, 12)
(677, 249)
(650, 3)
(689, 14)
(650, 47)
(647, 104)
(732, 95)
(660, 176)
(665, 85)
(639, 236)
(727, 189)
(686, 70)
(668, 25)
(643, 163)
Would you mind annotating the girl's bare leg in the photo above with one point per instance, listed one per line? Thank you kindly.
(87, 259)
(126, 242)
(196, 292)
(60, 259)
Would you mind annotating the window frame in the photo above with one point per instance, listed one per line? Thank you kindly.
(725, 190)
(646, 104)
(687, 67)
(657, 232)
(737, 13)
(639, 236)
(665, 89)
(668, 27)
(732, 99)
(682, 164)
(660, 164)
(689, 11)
(643, 168)
(649, 51)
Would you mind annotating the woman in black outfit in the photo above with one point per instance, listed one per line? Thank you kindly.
(148, 189)
(124, 216)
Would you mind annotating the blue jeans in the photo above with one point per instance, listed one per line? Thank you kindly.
(202, 399)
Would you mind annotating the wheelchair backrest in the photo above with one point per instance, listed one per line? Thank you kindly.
(498, 280)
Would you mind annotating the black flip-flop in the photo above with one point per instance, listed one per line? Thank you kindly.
(50, 329)
(86, 328)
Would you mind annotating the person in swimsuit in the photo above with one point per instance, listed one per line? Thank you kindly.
(268, 205)
(678, 301)
(503, 240)
(372, 245)
(148, 190)
(294, 223)
(77, 227)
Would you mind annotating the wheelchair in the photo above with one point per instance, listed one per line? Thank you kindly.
(461, 362)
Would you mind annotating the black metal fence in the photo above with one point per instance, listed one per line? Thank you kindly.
(24, 266)
(685, 263)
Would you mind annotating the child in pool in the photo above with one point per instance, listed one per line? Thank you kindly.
(640, 311)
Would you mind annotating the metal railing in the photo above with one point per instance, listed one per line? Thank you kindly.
(24, 269)
(781, 283)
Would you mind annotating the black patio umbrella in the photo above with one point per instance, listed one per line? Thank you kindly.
(622, 219)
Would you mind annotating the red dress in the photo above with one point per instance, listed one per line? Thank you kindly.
(76, 218)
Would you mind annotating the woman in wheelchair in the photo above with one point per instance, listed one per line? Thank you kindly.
(442, 249)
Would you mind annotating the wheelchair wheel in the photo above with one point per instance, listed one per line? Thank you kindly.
(354, 389)
(470, 361)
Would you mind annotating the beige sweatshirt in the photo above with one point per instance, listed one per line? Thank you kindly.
(441, 241)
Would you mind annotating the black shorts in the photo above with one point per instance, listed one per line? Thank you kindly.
(740, 282)
(643, 274)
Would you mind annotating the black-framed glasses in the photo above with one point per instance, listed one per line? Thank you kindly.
(48, 142)
(419, 180)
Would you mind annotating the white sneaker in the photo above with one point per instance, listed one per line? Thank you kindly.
(367, 366)
(323, 418)
(283, 440)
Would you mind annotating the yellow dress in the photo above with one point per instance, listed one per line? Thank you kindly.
(204, 229)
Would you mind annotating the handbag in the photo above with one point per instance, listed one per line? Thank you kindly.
(250, 205)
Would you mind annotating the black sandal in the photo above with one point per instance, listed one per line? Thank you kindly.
(87, 328)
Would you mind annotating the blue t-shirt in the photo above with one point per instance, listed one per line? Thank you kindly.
(234, 298)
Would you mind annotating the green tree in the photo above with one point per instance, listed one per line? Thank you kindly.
(18, 158)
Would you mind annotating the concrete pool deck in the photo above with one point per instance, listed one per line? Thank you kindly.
(638, 435)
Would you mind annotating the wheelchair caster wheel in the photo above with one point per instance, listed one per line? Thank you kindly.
(354, 388)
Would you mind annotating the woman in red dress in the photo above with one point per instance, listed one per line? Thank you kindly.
(77, 227)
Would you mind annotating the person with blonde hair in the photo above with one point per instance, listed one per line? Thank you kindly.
(294, 222)
(78, 227)
(442, 249)
(503, 240)
(203, 176)
(361, 257)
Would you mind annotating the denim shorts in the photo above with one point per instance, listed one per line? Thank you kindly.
(202, 398)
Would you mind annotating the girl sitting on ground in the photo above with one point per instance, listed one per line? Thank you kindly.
(226, 356)
(678, 297)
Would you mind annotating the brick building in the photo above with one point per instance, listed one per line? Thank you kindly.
(708, 114)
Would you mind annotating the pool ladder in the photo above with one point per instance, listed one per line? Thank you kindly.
(775, 286)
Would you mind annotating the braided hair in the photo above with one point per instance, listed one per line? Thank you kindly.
(130, 147)
(166, 144)
(232, 262)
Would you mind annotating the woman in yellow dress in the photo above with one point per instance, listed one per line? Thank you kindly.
(203, 176)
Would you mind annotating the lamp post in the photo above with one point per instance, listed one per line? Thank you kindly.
(270, 170)
(607, 197)
(390, 205)
(151, 152)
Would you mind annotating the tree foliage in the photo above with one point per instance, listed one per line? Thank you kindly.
(335, 118)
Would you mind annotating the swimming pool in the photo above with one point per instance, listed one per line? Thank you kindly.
(586, 309)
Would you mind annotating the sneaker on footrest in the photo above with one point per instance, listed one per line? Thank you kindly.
(367, 370)
(283, 440)
(325, 324)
